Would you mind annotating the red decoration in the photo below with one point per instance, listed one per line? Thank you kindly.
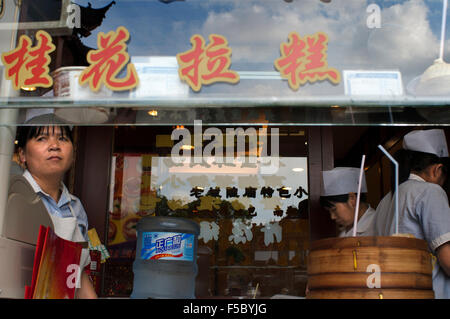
(305, 59)
(27, 66)
(206, 65)
(108, 61)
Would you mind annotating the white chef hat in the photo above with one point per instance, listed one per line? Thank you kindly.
(427, 141)
(342, 180)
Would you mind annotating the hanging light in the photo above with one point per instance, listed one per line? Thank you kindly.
(153, 113)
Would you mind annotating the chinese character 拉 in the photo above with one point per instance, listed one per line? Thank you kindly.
(206, 64)
(107, 61)
(305, 59)
(27, 66)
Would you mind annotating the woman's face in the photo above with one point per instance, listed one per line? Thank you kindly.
(342, 213)
(48, 154)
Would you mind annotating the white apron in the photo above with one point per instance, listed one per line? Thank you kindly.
(67, 228)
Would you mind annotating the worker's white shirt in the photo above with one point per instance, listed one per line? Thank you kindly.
(364, 226)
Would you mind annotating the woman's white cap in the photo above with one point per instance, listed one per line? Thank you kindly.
(427, 141)
(43, 116)
(341, 181)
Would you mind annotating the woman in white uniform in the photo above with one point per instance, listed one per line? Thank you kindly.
(47, 154)
(423, 208)
(339, 196)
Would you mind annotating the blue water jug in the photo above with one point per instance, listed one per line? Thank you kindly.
(166, 258)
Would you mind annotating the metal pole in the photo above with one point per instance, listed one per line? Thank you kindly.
(7, 132)
(444, 18)
(395, 186)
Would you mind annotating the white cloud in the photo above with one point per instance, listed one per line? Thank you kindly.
(405, 40)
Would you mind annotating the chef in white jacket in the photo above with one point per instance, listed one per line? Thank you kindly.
(339, 198)
(423, 208)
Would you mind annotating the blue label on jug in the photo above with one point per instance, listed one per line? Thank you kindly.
(167, 246)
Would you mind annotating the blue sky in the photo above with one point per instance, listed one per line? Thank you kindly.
(408, 39)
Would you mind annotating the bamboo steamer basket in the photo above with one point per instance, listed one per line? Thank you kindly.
(370, 268)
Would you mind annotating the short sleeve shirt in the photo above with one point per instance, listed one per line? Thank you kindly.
(423, 211)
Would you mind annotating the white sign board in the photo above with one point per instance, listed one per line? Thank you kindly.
(158, 77)
(373, 83)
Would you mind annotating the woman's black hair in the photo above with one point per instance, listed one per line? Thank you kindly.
(26, 133)
(329, 201)
(414, 161)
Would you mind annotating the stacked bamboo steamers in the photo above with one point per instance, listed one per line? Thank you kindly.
(394, 267)
(370, 268)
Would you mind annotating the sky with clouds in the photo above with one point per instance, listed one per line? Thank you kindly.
(408, 39)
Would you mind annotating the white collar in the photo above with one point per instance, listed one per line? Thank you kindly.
(416, 177)
(38, 189)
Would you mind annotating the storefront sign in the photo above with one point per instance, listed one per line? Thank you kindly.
(205, 65)
(108, 61)
(305, 59)
(302, 60)
(27, 66)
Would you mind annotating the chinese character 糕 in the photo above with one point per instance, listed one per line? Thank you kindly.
(108, 60)
(206, 64)
(27, 66)
(304, 59)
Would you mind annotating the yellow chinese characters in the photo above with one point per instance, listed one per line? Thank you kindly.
(27, 66)
(203, 65)
(107, 61)
(305, 59)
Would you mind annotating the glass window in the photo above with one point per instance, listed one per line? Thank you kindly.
(252, 210)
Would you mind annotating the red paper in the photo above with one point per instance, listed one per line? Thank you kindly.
(56, 263)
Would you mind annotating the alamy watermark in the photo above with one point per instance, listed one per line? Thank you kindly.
(374, 17)
(234, 151)
(74, 16)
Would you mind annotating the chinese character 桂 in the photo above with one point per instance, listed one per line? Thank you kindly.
(305, 59)
(27, 66)
(206, 64)
(108, 60)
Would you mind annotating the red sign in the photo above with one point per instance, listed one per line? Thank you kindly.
(206, 64)
(108, 60)
(27, 66)
(305, 59)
